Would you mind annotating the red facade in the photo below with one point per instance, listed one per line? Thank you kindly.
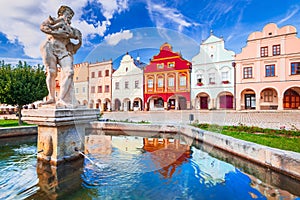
(167, 81)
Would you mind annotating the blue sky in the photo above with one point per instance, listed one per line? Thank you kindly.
(113, 27)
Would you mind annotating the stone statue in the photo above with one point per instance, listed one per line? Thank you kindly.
(58, 50)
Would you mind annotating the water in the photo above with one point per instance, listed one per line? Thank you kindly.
(136, 167)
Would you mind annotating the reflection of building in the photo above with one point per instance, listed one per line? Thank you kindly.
(128, 144)
(127, 85)
(98, 144)
(100, 85)
(212, 77)
(167, 81)
(211, 170)
(268, 70)
(167, 154)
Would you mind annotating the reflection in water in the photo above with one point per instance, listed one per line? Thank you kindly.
(166, 154)
(167, 166)
(56, 182)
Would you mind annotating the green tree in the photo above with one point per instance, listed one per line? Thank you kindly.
(21, 85)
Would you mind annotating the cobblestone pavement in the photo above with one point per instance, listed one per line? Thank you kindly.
(265, 119)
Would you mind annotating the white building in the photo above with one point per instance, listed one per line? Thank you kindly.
(212, 78)
(127, 85)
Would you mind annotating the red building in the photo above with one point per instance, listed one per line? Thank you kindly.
(167, 81)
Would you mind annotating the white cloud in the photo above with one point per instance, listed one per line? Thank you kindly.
(115, 38)
(163, 15)
(21, 20)
(109, 7)
(291, 13)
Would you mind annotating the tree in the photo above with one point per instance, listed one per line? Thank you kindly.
(21, 84)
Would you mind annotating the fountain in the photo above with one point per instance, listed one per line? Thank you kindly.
(61, 122)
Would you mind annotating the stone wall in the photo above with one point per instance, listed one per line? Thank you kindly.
(18, 131)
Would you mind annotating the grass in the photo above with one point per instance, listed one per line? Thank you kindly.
(281, 139)
(11, 123)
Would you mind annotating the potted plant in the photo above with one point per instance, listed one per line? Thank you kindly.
(225, 82)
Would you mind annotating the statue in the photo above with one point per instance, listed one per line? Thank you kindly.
(59, 50)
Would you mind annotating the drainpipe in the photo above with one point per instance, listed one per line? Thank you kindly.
(234, 83)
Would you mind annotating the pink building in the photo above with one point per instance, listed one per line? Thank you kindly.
(268, 70)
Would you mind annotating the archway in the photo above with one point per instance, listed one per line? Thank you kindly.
(155, 103)
(291, 98)
(117, 106)
(268, 99)
(126, 104)
(248, 99)
(225, 100)
(137, 104)
(201, 101)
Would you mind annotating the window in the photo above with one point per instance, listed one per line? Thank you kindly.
(83, 89)
(107, 72)
(106, 88)
(93, 75)
(224, 76)
(276, 50)
(270, 70)
(268, 96)
(160, 82)
(171, 64)
(117, 85)
(248, 72)
(100, 89)
(199, 78)
(93, 89)
(295, 68)
(264, 51)
(171, 81)
(211, 78)
(160, 66)
(126, 85)
(136, 84)
(99, 73)
(77, 90)
(150, 83)
(182, 81)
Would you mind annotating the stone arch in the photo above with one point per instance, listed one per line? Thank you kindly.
(117, 105)
(248, 99)
(201, 101)
(291, 98)
(268, 98)
(225, 100)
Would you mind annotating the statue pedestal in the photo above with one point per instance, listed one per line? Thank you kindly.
(60, 131)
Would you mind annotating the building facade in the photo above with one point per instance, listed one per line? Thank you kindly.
(268, 70)
(212, 77)
(81, 83)
(127, 85)
(100, 75)
(167, 81)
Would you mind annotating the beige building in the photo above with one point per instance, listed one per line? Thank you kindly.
(100, 74)
(268, 70)
(81, 84)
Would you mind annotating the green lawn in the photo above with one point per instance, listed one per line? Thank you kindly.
(11, 123)
(281, 139)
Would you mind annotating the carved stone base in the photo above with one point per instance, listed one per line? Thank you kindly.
(60, 131)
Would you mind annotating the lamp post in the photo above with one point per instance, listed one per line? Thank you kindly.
(234, 82)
